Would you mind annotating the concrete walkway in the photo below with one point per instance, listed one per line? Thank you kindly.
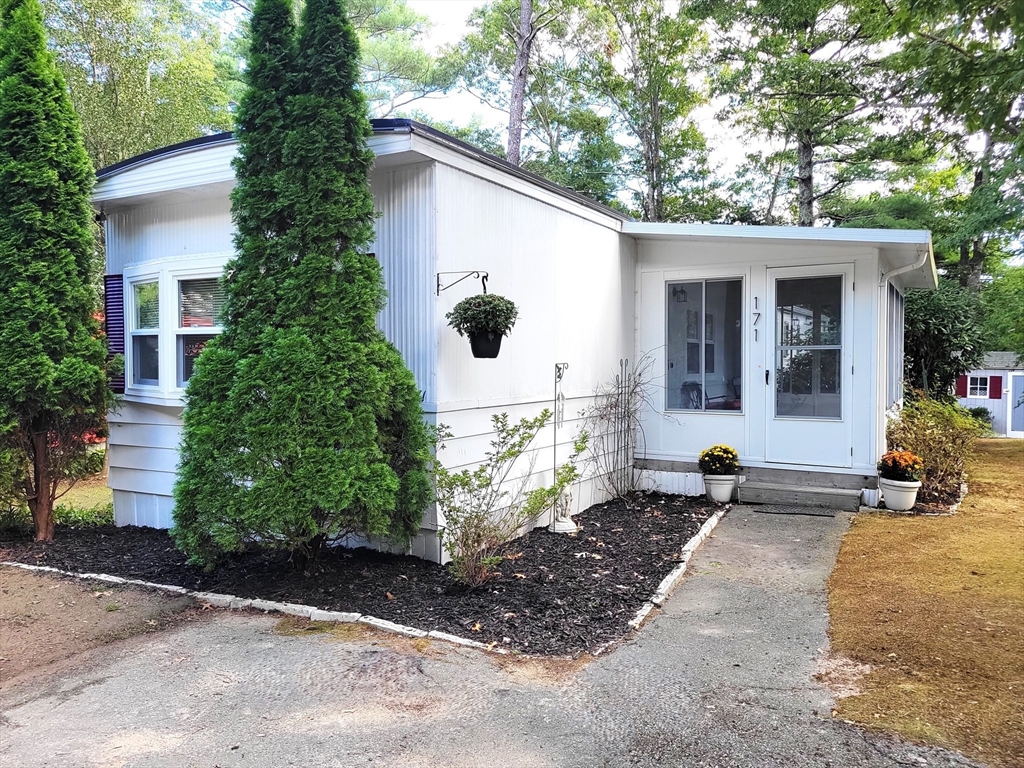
(722, 677)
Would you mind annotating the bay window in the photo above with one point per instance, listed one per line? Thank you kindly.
(174, 309)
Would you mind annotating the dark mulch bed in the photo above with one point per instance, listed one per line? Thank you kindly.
(556, 593)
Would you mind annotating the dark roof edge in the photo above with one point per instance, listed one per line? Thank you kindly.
(464, 148)
(382, 126)
(154, 154)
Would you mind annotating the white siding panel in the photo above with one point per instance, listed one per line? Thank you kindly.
(129, 412)
(141, 480)
(143, 435)
(143, 509)
(571, 278)
(682, 483)
(135, 457)
(157, 231)
(405, 248)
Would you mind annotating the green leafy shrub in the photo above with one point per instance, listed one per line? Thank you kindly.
(982, 415)
(943, 435)
(17, 519)
(488, 507)
(719, 460)
(486, 312)
(943, 336)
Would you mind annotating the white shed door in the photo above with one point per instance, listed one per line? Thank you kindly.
(809, 377)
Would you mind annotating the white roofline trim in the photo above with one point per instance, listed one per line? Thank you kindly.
(821, 234)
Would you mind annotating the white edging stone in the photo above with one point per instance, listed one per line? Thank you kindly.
(237, 603)
(232, 602)
(641, 615)
(218, 601)
(669, 582)
(438, 635)
(338, 617)
(391, 626)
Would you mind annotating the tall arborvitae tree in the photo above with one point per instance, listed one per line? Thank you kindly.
(302, 423)
(53, 378)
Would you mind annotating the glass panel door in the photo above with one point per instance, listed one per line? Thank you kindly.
(809, 347)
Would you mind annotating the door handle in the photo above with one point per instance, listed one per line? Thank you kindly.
(767, 376)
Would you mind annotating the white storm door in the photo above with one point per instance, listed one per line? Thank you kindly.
(808, 376)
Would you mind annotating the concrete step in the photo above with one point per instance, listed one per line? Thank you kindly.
(760, 492)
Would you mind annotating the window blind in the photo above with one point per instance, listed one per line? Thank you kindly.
(200, 303)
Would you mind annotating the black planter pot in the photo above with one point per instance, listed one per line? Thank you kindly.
(484, 343)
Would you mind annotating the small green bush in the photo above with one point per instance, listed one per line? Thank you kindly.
(16, 518)
(982, 414)
(943, 435)
(487, 508)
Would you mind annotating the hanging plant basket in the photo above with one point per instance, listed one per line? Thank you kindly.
(485, 318)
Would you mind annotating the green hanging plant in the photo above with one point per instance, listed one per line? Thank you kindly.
(483, 313)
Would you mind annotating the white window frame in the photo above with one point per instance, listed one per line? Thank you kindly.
(971, 386)
(135, 332)
(168, 273)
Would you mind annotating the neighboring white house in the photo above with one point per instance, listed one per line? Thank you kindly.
(785, 343)
(998, 385)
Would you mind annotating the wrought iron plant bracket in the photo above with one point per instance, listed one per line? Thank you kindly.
(476, 274)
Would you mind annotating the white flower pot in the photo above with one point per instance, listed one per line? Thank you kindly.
(720, 487)
(899, 495)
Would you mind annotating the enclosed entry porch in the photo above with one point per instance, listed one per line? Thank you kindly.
(784, 343)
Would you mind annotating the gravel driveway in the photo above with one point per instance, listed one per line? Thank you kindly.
(722, 677)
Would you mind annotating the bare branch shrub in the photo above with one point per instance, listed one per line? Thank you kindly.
(486, 508)
(615, 427)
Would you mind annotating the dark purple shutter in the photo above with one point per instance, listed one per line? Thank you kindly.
(961, 386)
(995, 387)
(113, 310)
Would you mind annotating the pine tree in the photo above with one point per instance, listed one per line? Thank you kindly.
(302, 424)
(53, 378)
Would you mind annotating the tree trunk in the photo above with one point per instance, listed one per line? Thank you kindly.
(524, 41)
(805, 179)
(972, 252)
(40, 503)
(769, 214)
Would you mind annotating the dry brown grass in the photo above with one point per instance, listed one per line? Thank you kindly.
(936, 606)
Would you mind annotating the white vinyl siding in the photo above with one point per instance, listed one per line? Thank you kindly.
(894, 347)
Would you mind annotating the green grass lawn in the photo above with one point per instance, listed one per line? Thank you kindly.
(88, 493)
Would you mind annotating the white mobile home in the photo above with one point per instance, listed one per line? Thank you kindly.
(998, 386)
(785, 343)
